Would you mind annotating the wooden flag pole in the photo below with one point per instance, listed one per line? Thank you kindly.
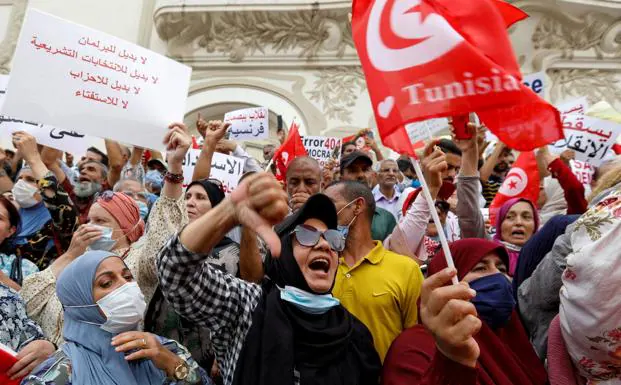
(434, 215)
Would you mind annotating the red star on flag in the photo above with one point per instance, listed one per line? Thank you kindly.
(424, 10)
(513, 185)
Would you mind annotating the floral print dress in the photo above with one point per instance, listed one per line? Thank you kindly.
(16, 329)
(590, 310)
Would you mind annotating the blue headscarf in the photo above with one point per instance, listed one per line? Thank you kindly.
(538, 246)
(93, 359)
(32, 220)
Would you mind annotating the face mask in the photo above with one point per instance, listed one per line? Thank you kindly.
(155, 179)
(144, 209)
(344, 229)
(24, 193)
(86, 189)
(494, 300)
(308, 302)
(105, 243)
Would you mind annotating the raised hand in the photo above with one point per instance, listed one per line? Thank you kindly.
(446, 311)
(26, 145)
(466, 145)
(215, 132)
(433, 164)
(260, 202)
(178, 142)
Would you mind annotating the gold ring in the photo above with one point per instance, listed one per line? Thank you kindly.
(144, 342)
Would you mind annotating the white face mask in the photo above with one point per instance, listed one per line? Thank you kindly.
(24, 193)
(124, 308)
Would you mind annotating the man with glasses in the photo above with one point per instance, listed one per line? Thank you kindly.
(385, 193)
(376, 285)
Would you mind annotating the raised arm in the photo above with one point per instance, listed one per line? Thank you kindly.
(471, 220)
(407, 237)
(490, 162)
(213, 132)
(115, 161)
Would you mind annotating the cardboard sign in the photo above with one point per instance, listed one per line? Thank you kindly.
(249, 123)
(322, 148)
(70, 76)
(426, 129)
(70, 141)
(589, 137)
(583, 171)
(225, 168)
(535, 82)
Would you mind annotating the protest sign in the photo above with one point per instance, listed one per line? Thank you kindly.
(536, 82)
(322, 148)
(589, 137)
(418, 131)
(225, 168)
(4, 80)
(70, 76)
(70, 141)
(583, 171)
(249, 123)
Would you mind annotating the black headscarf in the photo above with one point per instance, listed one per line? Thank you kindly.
(214, 192)
(538, 246)
(325, 349)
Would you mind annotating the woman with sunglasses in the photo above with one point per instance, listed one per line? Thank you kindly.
(114, 224)
(289, 330)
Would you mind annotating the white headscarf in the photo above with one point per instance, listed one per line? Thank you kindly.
(590, 310)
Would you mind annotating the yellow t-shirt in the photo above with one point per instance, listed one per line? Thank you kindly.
(382, 291)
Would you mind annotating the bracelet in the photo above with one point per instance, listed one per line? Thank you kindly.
(173, 178)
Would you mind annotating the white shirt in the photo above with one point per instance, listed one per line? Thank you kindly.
(391, 205)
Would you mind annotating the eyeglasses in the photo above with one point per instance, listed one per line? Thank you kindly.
(105, 196)
(309, 236)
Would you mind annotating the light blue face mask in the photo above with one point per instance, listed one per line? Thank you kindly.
(144, 209)
(344, 229)
(308, 302)
(105, 243)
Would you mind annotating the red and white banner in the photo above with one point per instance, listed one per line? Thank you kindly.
(434, 58)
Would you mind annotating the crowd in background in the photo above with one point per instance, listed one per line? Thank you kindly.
(113, 272)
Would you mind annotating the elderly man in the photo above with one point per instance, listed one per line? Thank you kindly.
(357, 166)
(303, 180)
(386, 193)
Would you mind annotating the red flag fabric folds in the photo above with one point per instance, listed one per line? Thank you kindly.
(432, 58)
(522, 181)
(289, 150)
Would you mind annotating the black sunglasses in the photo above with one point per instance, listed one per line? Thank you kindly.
(309, 236)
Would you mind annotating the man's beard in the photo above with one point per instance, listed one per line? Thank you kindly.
(86, 189)
(501, 167)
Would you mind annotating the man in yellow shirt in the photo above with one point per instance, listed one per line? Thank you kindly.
(379, 287)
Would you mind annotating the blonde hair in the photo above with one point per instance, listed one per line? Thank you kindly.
(609, 179)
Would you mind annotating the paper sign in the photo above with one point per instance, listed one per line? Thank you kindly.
(4, 80)
(322, 148)
(426, 129)
(589, 137)
(70, 141)
(535, 82)
(225, 168)
(67, 75)
(577, 106)
(583, 171)
(249, 123)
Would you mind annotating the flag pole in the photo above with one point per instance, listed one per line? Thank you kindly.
(267, 168)
(436, 219)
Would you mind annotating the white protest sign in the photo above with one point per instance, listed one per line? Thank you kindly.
(70, 141)
(418, 131)
(249, 123)
(322, 148)
(67, 75)
(589, 137)
(536, 82)
(225, 168)
(583, 171)
(4, 80)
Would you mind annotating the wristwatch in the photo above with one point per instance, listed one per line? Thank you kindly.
(182, 370)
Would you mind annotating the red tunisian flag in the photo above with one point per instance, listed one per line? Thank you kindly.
(289, 150)
(522, 181)
(433, 58)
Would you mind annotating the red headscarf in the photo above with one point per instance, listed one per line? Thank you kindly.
(126, 212)
(507, 356)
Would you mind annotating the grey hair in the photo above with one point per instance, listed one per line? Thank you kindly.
(119, 185)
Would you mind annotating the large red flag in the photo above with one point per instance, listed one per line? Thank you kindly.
(289, 150)
(522, 181)
(432, 58)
